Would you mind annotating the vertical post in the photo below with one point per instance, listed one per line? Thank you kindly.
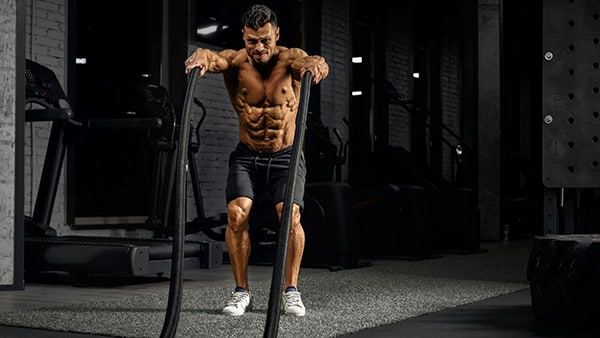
(551, 217)
(272, 323)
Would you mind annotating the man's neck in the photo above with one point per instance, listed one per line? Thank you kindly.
(265, 68)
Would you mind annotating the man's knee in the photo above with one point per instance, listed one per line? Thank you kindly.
(295, 225)
(238, 212)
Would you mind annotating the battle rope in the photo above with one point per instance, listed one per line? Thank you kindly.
(272, 324)
(176, 284)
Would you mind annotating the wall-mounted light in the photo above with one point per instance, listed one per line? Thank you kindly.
(416, 75)
(80, 61)
(357, 59)
(357, 93)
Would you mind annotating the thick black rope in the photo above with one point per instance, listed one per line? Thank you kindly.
(176, 284)
(273, 312)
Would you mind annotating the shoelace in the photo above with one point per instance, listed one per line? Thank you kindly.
(293, 298)
(236, 298)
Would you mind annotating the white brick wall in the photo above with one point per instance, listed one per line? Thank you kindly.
(8, 37)
(46, 34)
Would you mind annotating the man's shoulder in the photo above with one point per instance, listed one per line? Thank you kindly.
(291, 53)
(238, 57)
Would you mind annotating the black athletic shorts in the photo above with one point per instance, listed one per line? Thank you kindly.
(251, 174)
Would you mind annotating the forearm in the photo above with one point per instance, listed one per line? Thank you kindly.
(317, 65)
(209, 61)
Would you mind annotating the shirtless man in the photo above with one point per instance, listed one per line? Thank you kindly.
(263, 81)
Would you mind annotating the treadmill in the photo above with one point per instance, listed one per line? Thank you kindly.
(85, 255)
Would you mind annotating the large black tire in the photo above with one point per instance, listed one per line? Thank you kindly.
(564, 276)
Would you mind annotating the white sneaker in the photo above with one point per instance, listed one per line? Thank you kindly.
(292, 304)
(238, 303)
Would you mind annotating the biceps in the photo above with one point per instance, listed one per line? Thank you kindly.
(222, 61)
(221, 65)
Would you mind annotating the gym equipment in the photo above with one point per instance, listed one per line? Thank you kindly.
(380, 220)
(455, 225)
(202, 222)
(413, 222)
(44, 250)
(342, 152)
(564, 280)
(394, 222)
(329, 218)
(273, 311)
(323, 158)
(319, 151)
(43, 90)
(330, 226)
(569, 135)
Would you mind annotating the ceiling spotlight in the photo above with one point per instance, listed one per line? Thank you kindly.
(207, 30)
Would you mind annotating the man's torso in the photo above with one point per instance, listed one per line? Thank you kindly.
(266, 104)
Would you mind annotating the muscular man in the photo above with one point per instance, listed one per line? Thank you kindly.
(263, 82)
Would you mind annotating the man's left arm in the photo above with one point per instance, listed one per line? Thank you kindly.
(303, 62)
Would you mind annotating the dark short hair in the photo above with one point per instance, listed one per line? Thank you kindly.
(257, 16)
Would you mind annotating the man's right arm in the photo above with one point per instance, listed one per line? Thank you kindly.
(210, 61)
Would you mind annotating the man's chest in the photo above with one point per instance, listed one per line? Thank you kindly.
(274, 89)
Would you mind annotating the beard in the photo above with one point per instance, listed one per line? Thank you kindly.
(261, 57)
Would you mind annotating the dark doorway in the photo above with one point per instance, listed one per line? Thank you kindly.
(521, 92)
(113, 46)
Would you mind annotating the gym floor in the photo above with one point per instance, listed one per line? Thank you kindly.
(505, 316)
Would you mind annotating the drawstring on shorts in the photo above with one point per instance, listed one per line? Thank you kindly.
(268, 167)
